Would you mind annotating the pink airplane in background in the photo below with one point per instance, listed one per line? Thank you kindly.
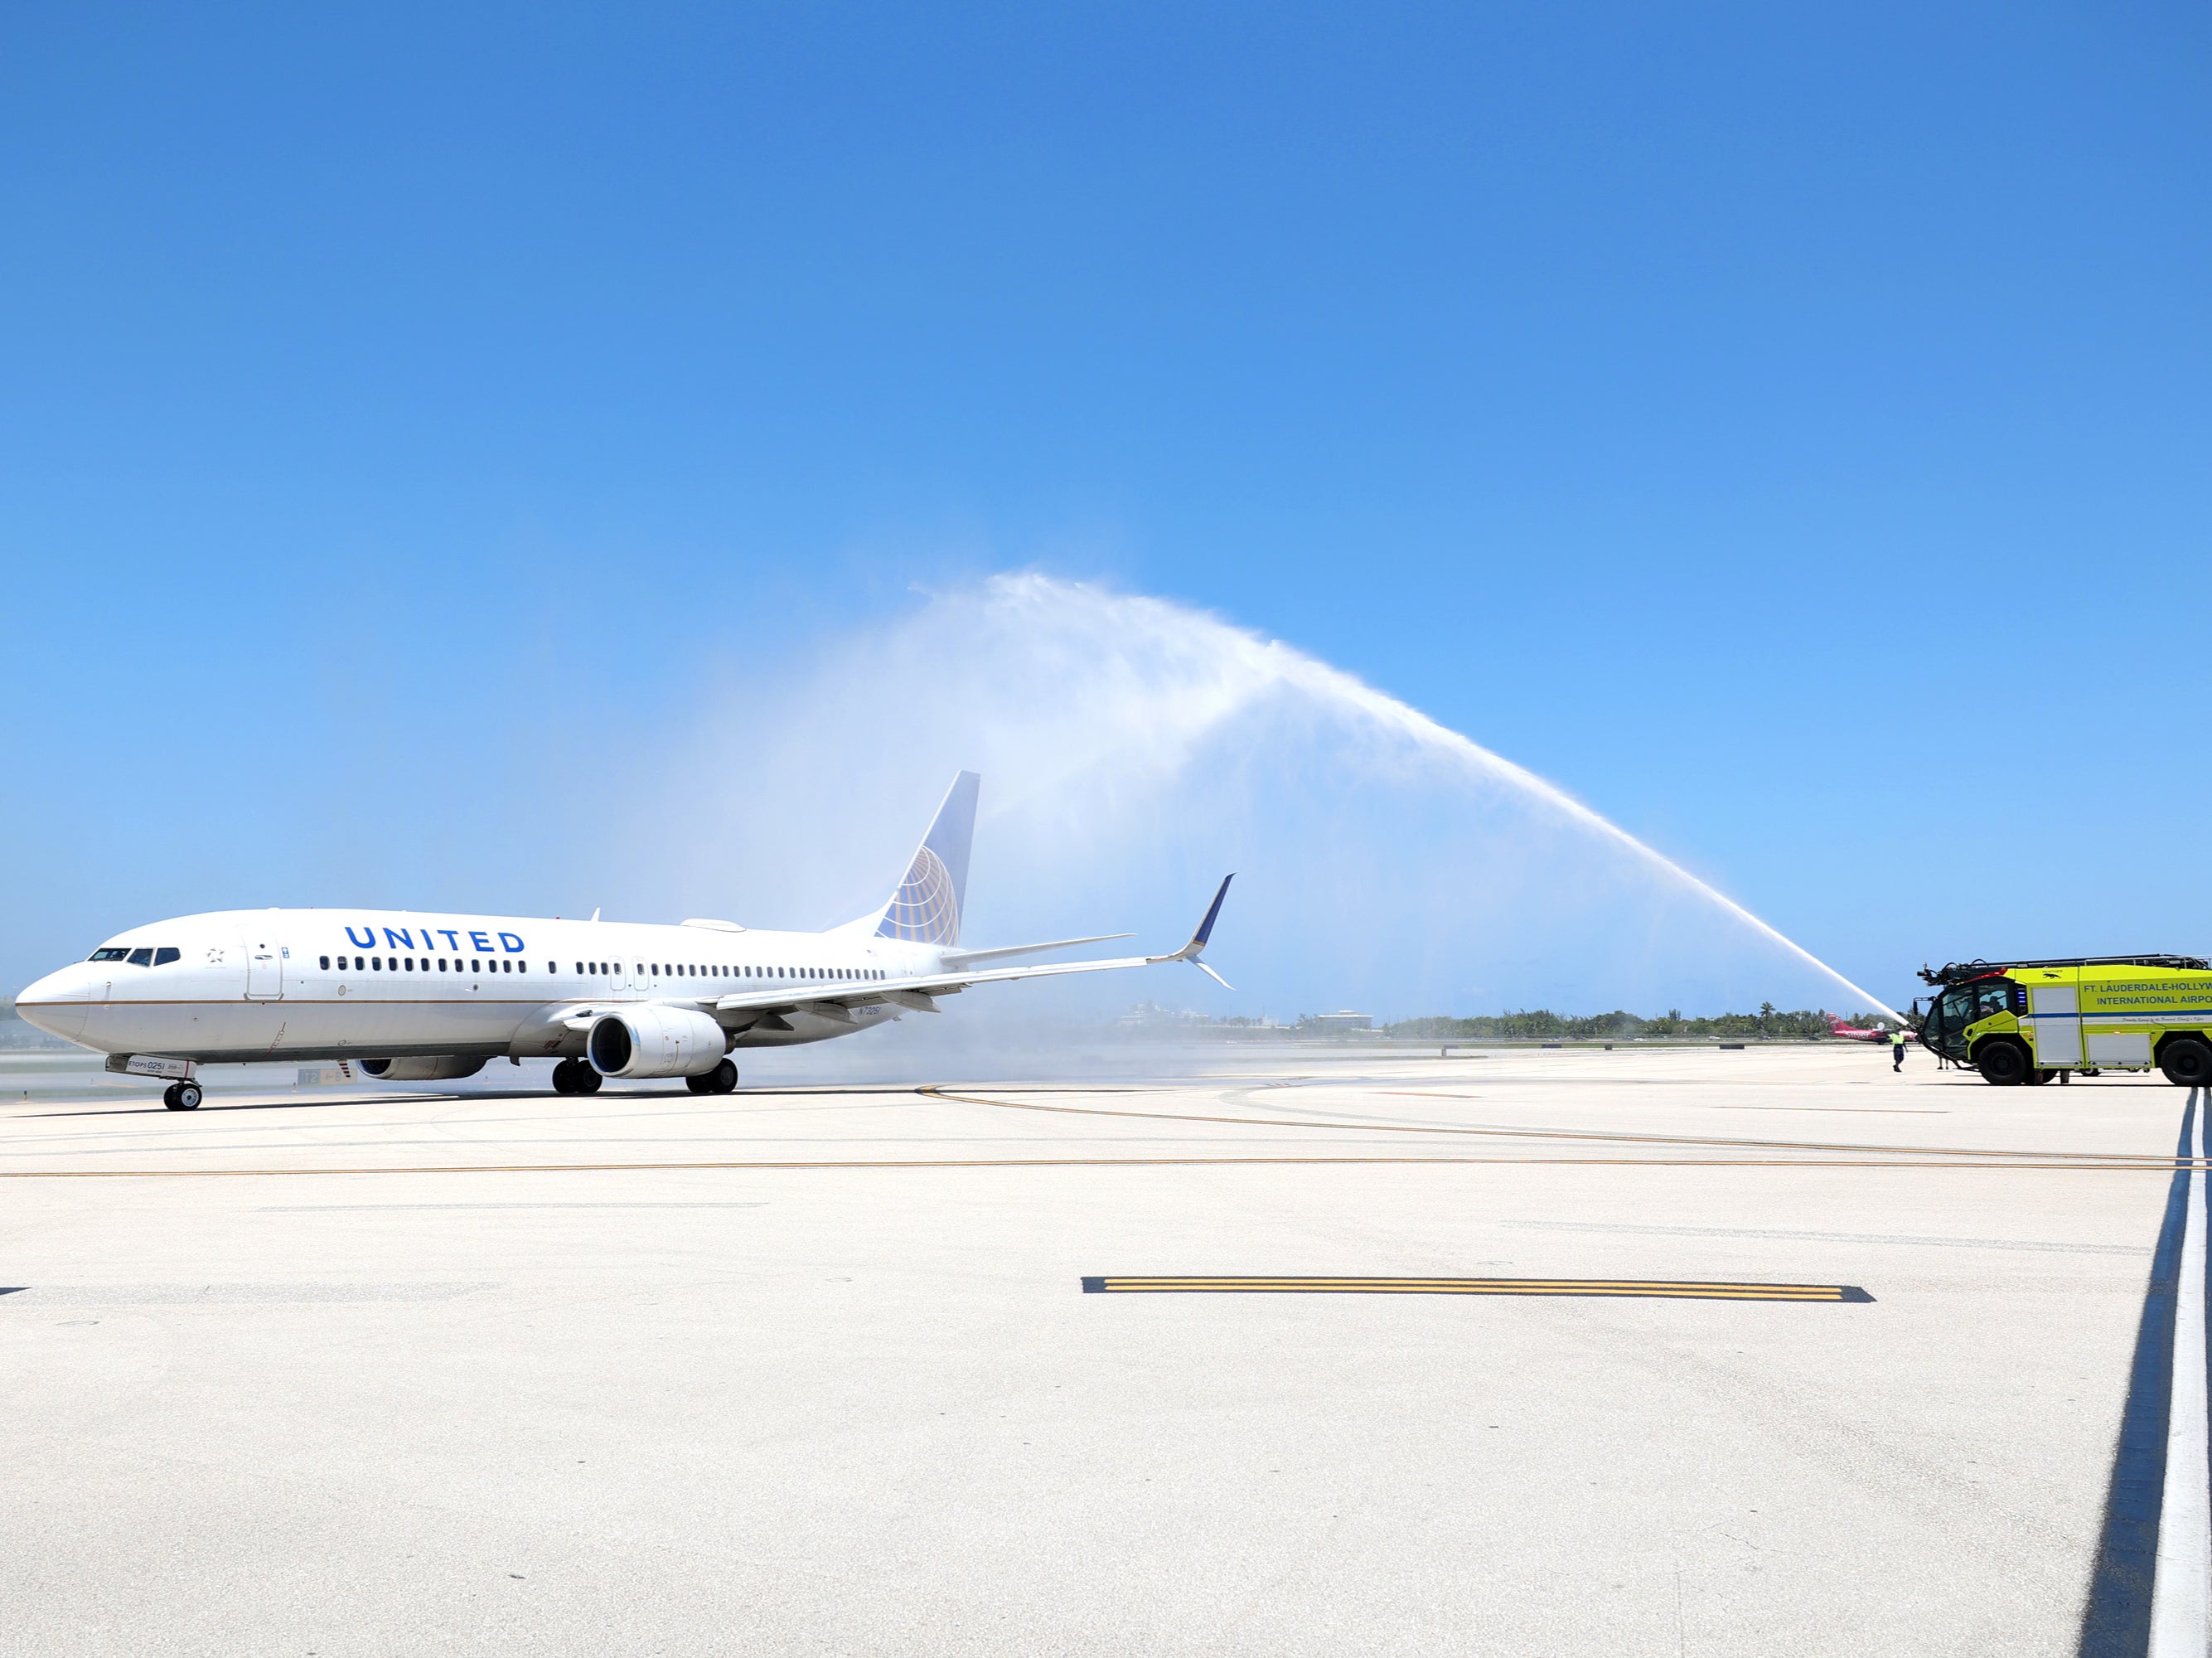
(1853, 1034)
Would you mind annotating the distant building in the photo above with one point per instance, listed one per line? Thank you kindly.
(1150, 1016)
(1150, 1019)
(1342, 1022)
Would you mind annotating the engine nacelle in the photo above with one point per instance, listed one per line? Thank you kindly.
(655, 1042)
(430, 1068)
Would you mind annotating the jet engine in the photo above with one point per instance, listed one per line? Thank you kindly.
(655, 1042)
(430, 1068)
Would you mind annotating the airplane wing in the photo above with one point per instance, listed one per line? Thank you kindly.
(969, 957)
(919, 991)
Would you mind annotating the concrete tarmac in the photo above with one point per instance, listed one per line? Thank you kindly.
(351, 1371)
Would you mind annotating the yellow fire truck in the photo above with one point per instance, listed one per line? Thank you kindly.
(2029, 1021)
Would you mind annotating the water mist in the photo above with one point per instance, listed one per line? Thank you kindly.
(1132, 751)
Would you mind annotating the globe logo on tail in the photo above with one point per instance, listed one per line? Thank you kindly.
(925, 910)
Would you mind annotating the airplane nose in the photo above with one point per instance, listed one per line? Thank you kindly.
(58, 1003)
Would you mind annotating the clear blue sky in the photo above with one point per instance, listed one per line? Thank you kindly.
(1789, 428)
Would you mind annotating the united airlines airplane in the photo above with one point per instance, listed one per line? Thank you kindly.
(417, 998)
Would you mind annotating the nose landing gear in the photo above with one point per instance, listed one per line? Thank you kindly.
(181, 1096)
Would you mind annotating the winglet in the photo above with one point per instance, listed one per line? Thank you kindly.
(1196, 947)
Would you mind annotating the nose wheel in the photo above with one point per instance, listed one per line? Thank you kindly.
(181, 1096)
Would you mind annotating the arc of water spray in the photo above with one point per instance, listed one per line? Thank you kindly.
(1409, 722)
(1163, 676)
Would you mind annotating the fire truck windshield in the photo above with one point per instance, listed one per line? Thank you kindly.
(1961, 1006)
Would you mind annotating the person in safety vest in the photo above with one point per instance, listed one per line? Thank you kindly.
(1897, 1049)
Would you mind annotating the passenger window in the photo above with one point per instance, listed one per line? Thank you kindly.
(441, 964)
(475, 965)
(358, 964)
(326, 963)
(165, 956)
(376, 963)
(142, 958)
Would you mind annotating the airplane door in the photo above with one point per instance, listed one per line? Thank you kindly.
(265, 971)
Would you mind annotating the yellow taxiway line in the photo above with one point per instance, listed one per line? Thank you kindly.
(1645, 1289)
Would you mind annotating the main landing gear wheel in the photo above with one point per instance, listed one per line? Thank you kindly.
(723, 1079)
(2186, 1061)
(181, 1096)
(574, 1076)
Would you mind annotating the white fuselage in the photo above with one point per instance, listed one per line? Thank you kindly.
(281, 985)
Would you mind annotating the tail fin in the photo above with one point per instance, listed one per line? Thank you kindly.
(927, 907)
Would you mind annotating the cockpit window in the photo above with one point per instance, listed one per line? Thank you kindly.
(143, 957)
(165, 956)
(113, 953)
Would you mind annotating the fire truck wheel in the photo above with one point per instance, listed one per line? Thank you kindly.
(2186, 1061)
(2036, 1076)
(2003, 1063)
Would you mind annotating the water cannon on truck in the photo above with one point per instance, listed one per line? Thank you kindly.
(2029, 1021)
